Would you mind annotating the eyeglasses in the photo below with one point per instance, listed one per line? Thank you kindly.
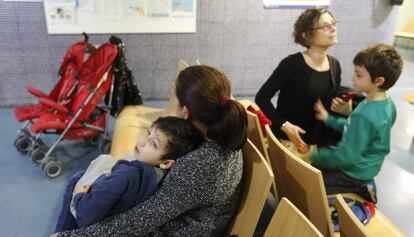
(326, 26)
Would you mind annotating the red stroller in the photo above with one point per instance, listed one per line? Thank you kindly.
(61, 94)
(83, 119)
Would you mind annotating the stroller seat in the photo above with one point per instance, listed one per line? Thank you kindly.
(61, 93)
(96, 78)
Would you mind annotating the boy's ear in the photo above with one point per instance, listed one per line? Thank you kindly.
(186, 112)
(379, 81)
(166, 164)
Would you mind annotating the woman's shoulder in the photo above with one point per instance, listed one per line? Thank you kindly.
(293, 57)
(211, 151)
(292, 60)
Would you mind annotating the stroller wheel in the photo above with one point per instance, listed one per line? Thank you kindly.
(23, 144)
(53, 169)
(93, 141)
(105, 145)
(35, 146)
(38, 155)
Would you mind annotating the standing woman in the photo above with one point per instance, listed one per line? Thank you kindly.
(200, 193)
(301, 79)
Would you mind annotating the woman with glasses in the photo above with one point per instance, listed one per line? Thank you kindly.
(301, 79)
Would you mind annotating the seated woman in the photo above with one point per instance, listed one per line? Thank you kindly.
(200, 193)
(301, 79)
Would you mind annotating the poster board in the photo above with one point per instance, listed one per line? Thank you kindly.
(120, 16)
(295, 3)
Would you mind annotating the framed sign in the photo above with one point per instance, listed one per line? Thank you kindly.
(295, 3)
(120, 16)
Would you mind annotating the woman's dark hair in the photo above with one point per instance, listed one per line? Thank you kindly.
(305, 25)
(204, 90)
(182, 135)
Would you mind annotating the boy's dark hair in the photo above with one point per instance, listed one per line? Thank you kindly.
(381, 60)
(182, 135)
(305, 25)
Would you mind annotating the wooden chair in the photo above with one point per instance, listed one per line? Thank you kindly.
(255, 134)
(290, 221)
(133, 121)
(350, 225)
(303, 185)
(257, 179)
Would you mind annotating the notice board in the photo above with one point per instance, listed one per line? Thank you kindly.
(120, 16)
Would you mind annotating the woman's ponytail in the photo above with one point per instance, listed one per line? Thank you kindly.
(231, 129)
(206, 91)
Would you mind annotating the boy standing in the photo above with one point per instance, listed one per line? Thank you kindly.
(358, 157)
(127, 183)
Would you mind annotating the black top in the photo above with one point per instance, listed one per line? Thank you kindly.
(299, 87)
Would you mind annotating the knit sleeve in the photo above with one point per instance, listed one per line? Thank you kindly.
(186, 187)
(280, 76)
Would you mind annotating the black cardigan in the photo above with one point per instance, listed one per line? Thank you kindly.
(299, 86)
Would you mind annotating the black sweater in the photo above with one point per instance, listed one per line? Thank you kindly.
(299, 86)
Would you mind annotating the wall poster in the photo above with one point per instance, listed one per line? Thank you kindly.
(295, 3)
(120, 16)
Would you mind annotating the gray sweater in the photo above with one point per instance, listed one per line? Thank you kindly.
(198, 198)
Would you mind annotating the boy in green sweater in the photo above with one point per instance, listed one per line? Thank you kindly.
(358, 157)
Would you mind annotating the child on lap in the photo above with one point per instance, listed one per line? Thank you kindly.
(127, 182)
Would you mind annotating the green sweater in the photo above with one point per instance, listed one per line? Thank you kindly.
(365, 140)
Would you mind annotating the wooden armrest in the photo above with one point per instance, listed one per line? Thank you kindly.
(379, 225)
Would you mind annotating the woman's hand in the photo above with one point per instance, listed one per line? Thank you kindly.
(54, 234)
(320, 111)
(340, 106)
(293, 133)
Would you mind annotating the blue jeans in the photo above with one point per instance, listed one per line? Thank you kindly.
(66, 221)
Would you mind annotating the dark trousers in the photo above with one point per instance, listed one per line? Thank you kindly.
(66, 221)
(337, 181)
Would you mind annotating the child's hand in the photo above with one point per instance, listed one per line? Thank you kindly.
(81, 189)
(320, 111)
(341, 106)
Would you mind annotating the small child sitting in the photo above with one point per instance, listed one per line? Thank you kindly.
(127, 183)
(358, 157)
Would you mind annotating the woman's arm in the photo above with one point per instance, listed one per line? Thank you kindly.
(279, 78)
(187, 186)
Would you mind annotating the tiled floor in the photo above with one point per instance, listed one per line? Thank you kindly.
(29, 201)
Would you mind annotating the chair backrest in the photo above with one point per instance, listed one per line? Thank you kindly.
(170, 110)
(301, 183)
(288, 220)
(349, 224)
(257, 178)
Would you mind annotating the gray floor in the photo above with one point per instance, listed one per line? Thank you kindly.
(29, 201)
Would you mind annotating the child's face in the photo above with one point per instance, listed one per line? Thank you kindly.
(151, 146)
(362, 80)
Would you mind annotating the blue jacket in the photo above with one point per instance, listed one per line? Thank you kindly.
(129, 183)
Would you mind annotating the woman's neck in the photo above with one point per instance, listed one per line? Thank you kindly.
(316, 58)
(203, 128)
(317, 54)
